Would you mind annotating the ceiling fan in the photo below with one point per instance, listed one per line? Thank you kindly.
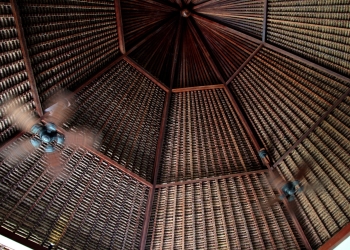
(45, 131)
(290, 189)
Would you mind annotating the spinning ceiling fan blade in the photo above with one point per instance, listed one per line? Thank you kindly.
(22, 118)
(60, 107)
(303, 170)
(54, 163)
(18, 153)
(81, 138)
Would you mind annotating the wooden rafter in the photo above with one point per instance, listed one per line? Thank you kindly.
(25, 53)
(244, 64)
(211, 178)
(233, 31)
(206, 87)
(146, 73)
(160, 140)
(156, 168)
(108, 67)
(264, 31)
(307, 62)
(312, 128)
(206, 51)
(176, 53)
(118, 13)
(337, 238)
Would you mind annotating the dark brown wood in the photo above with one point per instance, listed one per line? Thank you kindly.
(292, 214)
(147, 217)
(176, 54)
(118, 166)
(307, 62)
(244, 64)
(264, 32)
(115, 61)
(118, 13)
(25, 53)
(296, 223)
(198, 88)
(313, 127)
(4, 145)
(146, 73)
(99, 74)
(243, 119)
(211, 178)
(204, 4)
(206, 52)
(337, 238)
(248, 37)
(156, 167)
(20, 239)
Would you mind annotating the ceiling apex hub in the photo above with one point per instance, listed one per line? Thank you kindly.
(185, 13)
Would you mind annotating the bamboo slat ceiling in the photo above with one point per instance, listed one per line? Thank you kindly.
(203, 46)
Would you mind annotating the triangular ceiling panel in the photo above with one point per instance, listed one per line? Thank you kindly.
(243, 15)
(193, 68)
(142, 17)
(157, 53)
(229, 48)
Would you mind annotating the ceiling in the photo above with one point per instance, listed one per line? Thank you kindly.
(211, 42)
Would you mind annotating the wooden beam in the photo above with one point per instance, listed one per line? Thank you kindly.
(291, 212)
(156, 167)
(119, 166)
(313, 127)
(146, 73)
(147, 217)
(337, 238)
(242, 118)
(176, 53)
(103, 71)
(99, 74)
(118, 14)
(264, 31)
(198, 88)
(296, 223)
(307, 62)
(204, 46)
(244, 64)
(20, 239)
(248, 37)
(211, 178)
(25, 53)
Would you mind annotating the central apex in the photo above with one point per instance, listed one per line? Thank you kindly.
(185, 13)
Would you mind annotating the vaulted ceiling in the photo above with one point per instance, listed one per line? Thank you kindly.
(209, 39)
(184, 93)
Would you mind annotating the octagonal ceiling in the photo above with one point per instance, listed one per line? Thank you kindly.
(208, 43)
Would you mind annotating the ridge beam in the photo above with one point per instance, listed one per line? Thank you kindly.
(156, 169)
(118, 14)
(178, 183)
(25, 54)
(147, 74)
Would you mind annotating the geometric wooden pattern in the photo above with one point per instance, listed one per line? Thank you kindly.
(306, 92)
(91, 205)
(124, 107)
(68, 42)
(316, 30)
(245, 16)
(204, 138)
(227, 213)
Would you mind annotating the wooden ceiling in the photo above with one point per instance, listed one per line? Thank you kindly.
(208, 47)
